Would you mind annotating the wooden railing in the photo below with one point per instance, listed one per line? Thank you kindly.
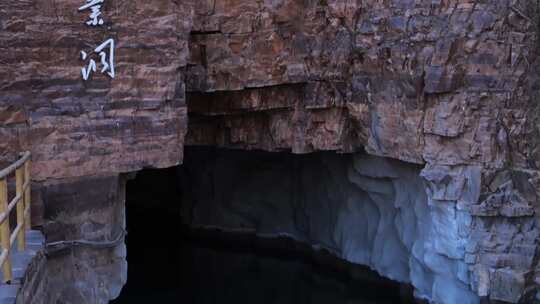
(21, 202)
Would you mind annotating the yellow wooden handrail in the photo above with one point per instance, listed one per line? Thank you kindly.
(21, 202)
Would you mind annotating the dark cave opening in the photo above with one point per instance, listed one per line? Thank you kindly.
(152, 221)
(173, 258)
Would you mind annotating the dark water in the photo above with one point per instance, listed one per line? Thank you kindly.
(185, 266)
(245, 270)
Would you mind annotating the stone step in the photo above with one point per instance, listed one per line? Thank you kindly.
(8, 293)
(19, 262)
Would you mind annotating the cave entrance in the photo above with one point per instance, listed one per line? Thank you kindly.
(244, 227)
(153, 201)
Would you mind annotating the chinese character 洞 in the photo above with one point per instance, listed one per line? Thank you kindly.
(95, 7)
(105, 51)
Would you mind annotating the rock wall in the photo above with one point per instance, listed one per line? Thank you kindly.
(34, 287)
(82, 135)
(447, 84)
(102, 126)
(84, 222)
(367, 210)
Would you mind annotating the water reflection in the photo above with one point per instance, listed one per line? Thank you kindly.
(220, 268)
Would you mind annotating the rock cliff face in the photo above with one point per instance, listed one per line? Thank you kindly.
(443, 82)
(449, 85)
(76, 128)
(367, 210)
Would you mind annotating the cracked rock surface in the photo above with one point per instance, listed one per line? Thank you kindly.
(448, 85)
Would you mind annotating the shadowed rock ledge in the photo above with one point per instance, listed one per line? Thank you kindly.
(394, 217)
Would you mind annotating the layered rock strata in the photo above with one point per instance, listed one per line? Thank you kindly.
(449, 85)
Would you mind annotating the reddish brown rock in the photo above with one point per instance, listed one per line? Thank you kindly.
(76, 128)
(449, 84)
(435, 79)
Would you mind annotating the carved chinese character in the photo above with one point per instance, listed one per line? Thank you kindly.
(105, 51)
(91, 66)
(95, 7)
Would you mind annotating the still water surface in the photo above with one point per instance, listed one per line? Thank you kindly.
(185, 266)
(209, 270)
